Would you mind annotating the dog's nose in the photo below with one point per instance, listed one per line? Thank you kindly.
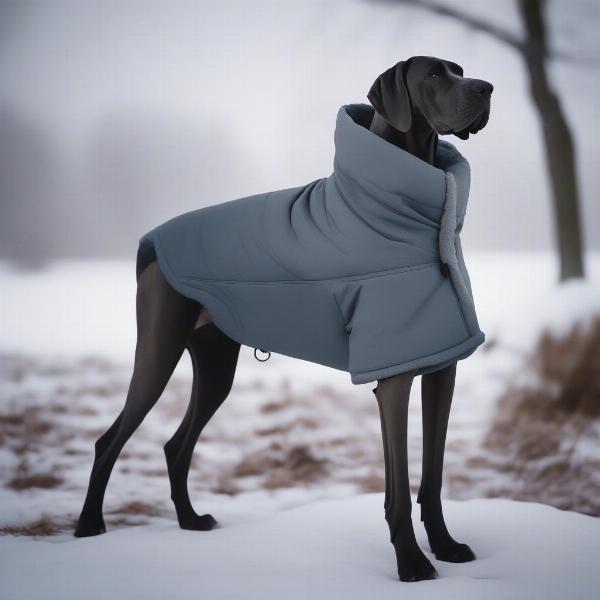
(482, 87)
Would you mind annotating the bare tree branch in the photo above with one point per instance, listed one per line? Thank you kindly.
(498, 33)
(462, 16)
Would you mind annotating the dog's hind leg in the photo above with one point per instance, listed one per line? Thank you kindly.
(214, 359)
(165, 319)
(437, 391)
(392, 396)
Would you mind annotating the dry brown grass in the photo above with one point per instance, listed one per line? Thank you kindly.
(225, 485)
(301, 422)
(539, 427)
(282, 467)
(42, 527)
(127, 515)
(373, 482)
(136, 508)
(24, 479)
(26, 423)
(116, 522)
(39, 480)
(271, 407)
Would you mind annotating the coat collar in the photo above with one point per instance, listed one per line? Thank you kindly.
(373, 161)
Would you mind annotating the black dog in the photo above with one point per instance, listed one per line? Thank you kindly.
(414, 101)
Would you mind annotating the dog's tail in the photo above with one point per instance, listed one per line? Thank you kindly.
(145, 255)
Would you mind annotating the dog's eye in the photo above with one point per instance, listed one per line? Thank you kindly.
(433, 76)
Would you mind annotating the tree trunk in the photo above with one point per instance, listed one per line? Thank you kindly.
(560, 153)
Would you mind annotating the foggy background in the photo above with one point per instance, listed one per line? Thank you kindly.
(115, 116)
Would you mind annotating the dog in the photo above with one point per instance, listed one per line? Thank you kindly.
(415, 101)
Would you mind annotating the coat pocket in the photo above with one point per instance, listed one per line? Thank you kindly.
(347, 297)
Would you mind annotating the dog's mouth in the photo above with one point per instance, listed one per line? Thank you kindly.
(476, 125)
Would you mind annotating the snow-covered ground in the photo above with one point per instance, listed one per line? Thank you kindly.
(288, 456)
(327, 549)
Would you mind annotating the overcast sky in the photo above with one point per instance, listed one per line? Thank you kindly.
(205, 102)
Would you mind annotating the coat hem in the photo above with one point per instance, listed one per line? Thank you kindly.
(425, 364)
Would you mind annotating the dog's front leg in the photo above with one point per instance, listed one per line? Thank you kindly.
(437, 390)
(392, 396)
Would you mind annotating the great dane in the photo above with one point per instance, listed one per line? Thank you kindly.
(415, 101)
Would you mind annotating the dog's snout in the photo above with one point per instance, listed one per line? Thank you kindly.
(482, 87)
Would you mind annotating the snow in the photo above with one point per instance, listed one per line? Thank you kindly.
(66, 350)
(328, 549)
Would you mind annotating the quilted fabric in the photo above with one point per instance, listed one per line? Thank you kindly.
(361, 271)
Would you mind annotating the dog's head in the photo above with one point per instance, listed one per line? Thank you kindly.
(436, 89)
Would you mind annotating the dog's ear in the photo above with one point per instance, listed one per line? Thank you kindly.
(390, 98)
(456, 69)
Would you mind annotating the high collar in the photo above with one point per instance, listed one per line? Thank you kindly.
(367, 158)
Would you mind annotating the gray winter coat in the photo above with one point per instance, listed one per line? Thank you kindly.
(361, 271)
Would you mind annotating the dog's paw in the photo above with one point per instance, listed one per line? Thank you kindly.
(88, 527)
(414, 566)
(198, 522)
(455, 553)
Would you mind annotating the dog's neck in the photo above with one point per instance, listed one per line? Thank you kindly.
(421, 139)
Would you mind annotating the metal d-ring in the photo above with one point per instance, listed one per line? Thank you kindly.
(264, 352)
